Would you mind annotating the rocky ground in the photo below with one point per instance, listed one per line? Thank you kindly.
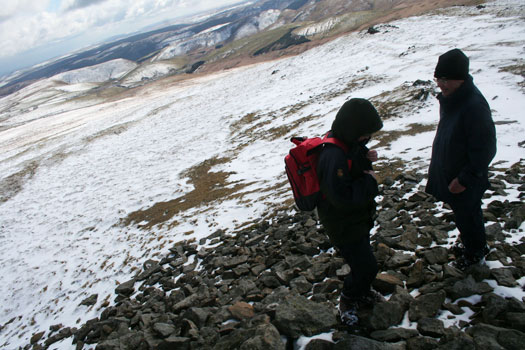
(266, 286)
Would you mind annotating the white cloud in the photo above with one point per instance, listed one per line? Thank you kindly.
(11, 8)
(78, 4)
(26, 24)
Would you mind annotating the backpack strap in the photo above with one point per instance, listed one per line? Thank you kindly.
(336, 142)
(297, 140)
(339, 144)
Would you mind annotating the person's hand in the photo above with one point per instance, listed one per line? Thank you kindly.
(455, 187)
(371, 172)
(372, 155)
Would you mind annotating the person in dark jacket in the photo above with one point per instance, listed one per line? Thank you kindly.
(464, 146)
(347, 210)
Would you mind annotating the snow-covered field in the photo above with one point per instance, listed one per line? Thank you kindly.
(73, 171)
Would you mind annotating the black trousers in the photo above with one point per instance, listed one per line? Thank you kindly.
(469, 221)
(363, 267)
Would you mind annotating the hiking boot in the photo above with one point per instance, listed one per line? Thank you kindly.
(458, 249)
(465, 260)
(348, 310)
(371, 298)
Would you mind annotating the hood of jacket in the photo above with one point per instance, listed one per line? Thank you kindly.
(356, 118)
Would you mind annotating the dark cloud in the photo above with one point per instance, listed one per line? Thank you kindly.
(78, 4)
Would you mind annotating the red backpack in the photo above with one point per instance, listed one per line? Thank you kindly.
(301, 168)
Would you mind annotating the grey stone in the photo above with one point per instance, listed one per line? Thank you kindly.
(233, 340)
(424, 239)
(35, 338)
(517, 216)
(436, 255)
(357, 342)
(426, 305)
(319, 344)
(484, 334)
(383, 253)
(164, 329)
(479, 272)
(263, 337)
(91, 300)
(284, 276)
(386, 283)
(318, 271)
(504, 277)
(186, 302)
(467, 287)
(174, 342)
(126, 288)
(328, 286)
(198, 315)
(151, 267)
(417, 276)
(451, 271)
(460, 342)
(343, 271)
(386, 314)
(132, 340)
(301, 284)
(302, 262)
(403, 297)
(386, 215)
(399, 259)
(431, 327)
(516, 320)
(235, 261)
(296, 316)
(422, 343)
(432, 287)
(455, 309)
(270, 281)
(494, 232)
(394, 334)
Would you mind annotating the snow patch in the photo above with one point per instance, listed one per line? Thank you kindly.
(114, 69)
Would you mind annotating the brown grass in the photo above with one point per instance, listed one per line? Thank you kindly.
(517, 69)
(208, 187)
(391, 168)
(12, 184)
(387, 137)
(408, 97)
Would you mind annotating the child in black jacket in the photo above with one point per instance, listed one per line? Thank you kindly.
(347, 210)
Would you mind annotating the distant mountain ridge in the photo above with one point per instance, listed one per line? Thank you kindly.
(242, 32)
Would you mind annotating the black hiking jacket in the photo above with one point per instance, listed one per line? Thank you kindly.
(347, 208)
(464, 146)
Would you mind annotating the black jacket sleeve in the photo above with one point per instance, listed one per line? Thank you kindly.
(344, 191)
(480, 137)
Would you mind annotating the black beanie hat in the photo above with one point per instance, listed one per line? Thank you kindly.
(452, 65)
(357, 117)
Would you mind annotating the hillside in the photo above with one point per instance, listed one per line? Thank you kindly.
(259, 30)
(97, 188)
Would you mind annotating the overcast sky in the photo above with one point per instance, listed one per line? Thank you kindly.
(32, 31)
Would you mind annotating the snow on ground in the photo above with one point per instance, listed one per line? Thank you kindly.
(72, 172)
(149, 71)
(113, 69)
